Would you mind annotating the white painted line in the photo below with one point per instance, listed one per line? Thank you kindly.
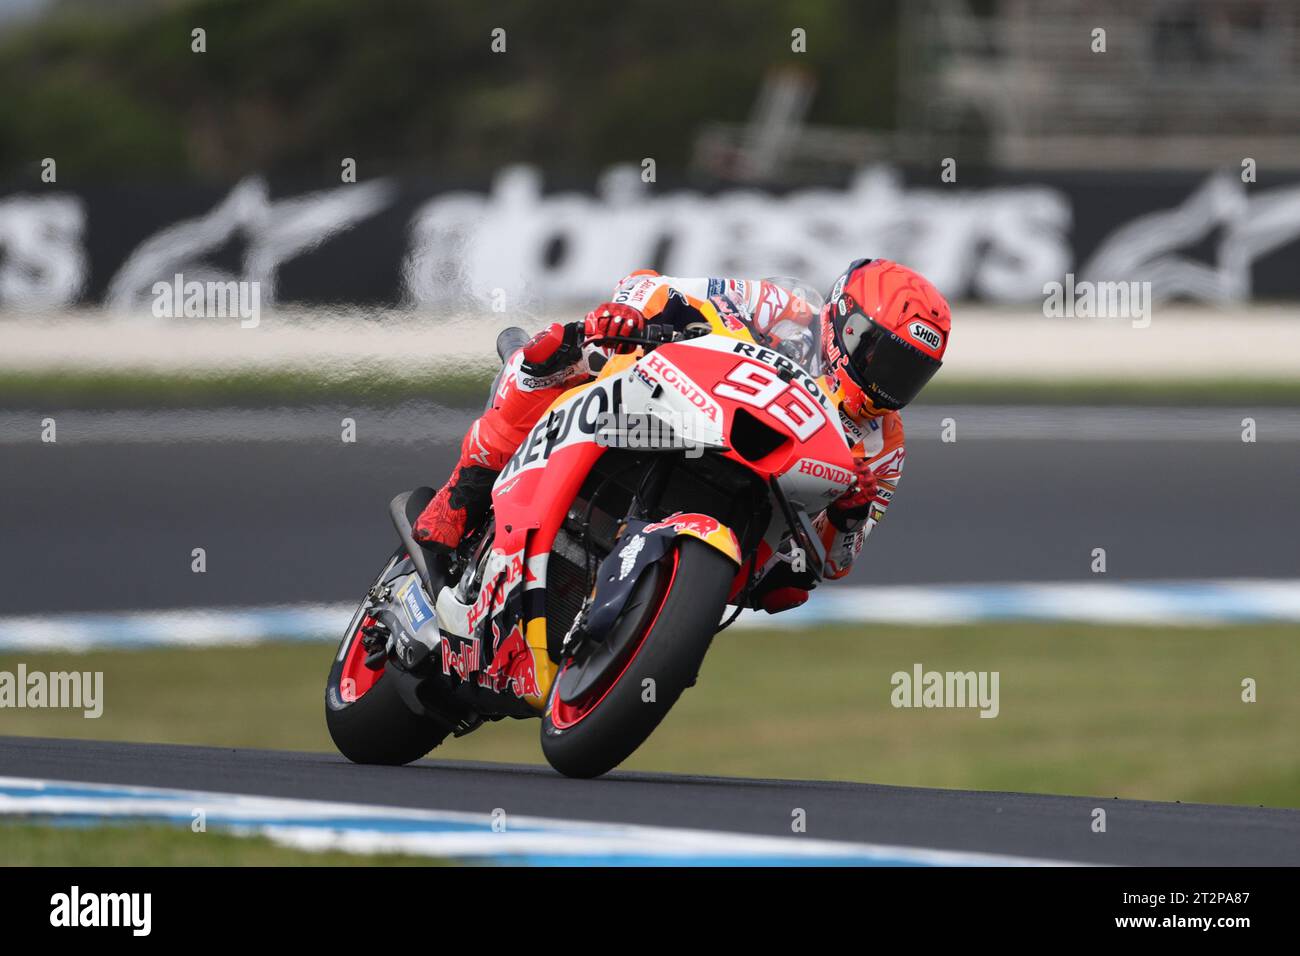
(190, 627)
(1194, 603)
(358, 828)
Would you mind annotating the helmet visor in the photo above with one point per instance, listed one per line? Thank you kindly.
(889, 370)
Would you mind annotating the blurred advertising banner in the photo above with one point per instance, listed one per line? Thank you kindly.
(1204, 238)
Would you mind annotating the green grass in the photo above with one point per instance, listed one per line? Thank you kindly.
(108, 388)
(1151, 713)
(30, 844)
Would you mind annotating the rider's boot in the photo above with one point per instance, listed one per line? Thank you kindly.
(458, 508)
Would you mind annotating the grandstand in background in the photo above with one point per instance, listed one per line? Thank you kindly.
(1016, 84)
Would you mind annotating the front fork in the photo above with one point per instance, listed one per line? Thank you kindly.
(648, 492)
(636, 549)
(802, 532)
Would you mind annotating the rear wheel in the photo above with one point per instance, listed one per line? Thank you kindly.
(662, 641)
(366, 716)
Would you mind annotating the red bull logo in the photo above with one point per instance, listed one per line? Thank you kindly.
(512, 666)
(702, 525)
(463, 661)
(728, 312)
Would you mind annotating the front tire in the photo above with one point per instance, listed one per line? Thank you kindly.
(591, 736)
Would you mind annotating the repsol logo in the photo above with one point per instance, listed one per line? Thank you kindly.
(779, 362)
(925, 334)
(575, 421)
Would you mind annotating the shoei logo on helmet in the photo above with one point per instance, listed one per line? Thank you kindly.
(925, 334)
(838, 288)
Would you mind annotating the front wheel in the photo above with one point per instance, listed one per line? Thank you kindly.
(664, 636)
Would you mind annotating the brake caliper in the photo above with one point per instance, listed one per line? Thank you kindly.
(374, 638)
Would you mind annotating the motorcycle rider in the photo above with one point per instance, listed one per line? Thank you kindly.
(884, 331)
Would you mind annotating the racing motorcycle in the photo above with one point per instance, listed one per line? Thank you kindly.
(590, 595)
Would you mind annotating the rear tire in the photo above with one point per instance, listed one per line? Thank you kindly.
(609, 729)
(376, 727)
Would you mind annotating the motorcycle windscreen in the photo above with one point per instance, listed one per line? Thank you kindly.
(798, 332)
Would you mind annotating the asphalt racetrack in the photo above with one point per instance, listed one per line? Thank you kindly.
(107, 517)
(1011, 824)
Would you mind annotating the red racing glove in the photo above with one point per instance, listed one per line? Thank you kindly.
(851, 508)
(613, 319)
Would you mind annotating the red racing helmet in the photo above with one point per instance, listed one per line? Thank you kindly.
(884, 331)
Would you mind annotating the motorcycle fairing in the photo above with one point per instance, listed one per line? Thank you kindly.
(532, 494)
(530, 499)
